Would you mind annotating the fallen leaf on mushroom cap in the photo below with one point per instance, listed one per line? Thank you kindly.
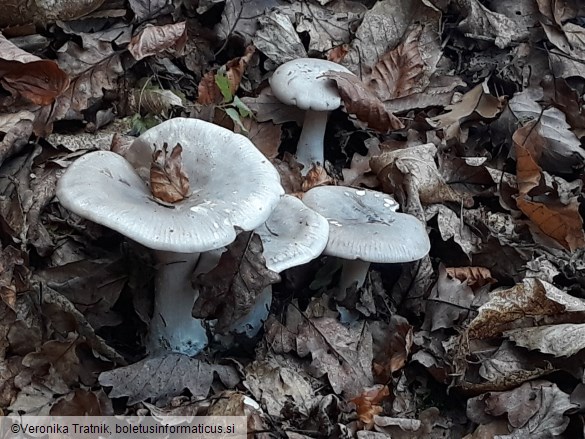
(343, 353)
(517, 306)
(168, 180)
(174, 373)
(535, 409)
(358, 99)
(229, 291)
(153, 40)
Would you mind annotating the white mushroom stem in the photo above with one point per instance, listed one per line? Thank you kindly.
(173, 327)
(310, 147)
(353, 270)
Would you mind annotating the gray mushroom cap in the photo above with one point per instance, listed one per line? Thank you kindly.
(293, 235)
(364, 224)
(299, 82)
(233, 186)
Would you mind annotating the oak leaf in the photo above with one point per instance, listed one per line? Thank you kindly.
(154, 39)
(168, 180)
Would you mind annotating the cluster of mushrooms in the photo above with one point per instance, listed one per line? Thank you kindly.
(234, 188)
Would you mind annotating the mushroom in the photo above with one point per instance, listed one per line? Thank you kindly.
(365, 227)
(300, 82)
(233, 187)
(293, 235)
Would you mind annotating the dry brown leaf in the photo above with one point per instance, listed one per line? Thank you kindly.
(14, 275)
(359, 172)
(229, 291)
(361, 101)
(338, 53)
(392, 349)
(38, 82)
(209, 92)
(83, 403)
(264, 135)
(152, 40)
(168, 180)
(174, 373)
(559, 221)
(368, 404)
(472, 276)
(342, 352)
(532, 298)
(475, 103)
(398, 72)
(562, 340)
(317, 176)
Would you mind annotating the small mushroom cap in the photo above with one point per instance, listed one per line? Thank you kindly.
(293, 235)
(233, 186)
(364, 224)
(300, 82)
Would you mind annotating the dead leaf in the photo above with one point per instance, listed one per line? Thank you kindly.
(368, 404)
(399, 71)
(174, 373)
(229, 291)
(562, 340)
(476, 103)
(267, 107)
(153, 40)
(533, 298)
(559, 221)
(14, 275)
(451, 226)
(82, 402)
(209, 92)
(343, 353)
(450, 302)
(535, 409)
(264, 135)
(481, 23)
(277, 38)
(359, 172)
(168, 180)
(392, 348)
(38, 82)
(317, 176)
(472, 276)
(361, 101)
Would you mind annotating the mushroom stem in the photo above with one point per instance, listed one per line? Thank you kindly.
(173, 328)
(353, 270)
(310, 147)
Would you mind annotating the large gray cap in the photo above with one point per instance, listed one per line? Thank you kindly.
(293, 235)
(300, 82)
(364, 224)
(233, 186)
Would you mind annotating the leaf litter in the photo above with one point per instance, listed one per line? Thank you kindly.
(469, 113)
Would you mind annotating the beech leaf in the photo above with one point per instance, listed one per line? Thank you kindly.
(362, 102)
(168, 180)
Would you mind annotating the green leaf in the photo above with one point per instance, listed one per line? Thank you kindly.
(233, 114)
(223, 83)
(243, 109)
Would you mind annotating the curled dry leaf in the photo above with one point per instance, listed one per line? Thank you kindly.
(472, 276)
(38, 82)
(561, 222)
(209, 92)
(153, 40)
(476, 103)
(368, 404)
(532, 298)
(317, 176)
(399, 71)
(168, 180)
(361, 101)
